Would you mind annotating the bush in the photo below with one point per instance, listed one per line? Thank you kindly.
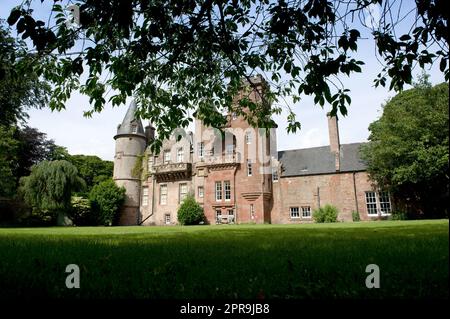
(326, 214)
(355, 216)
(80, 213)
(190, 212)
(106, 199)
(398, 216)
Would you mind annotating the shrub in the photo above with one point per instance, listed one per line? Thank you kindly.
(190, 212)
(355, 216)
(80, 213)
(106, 199)
(326, 214)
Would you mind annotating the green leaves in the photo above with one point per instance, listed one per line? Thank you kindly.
(190, 212)
(50, 185)
(408, 149)
(179, 58)
(106, 199)
(14, 16)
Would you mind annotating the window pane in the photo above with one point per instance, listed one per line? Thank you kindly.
(306, 211)
(163, 194)
(371, 203)
(145, 196)
(227, 187)
(166, 156)
(218, 216)
(201, 149)
(183, 192)
(200, 191)
(180, 155)
(218, 191)
(385, 202)
(294, 212)
(150, 164)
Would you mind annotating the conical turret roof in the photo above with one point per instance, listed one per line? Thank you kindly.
(131, 123)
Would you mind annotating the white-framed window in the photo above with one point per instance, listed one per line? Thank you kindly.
(248, 137)
(306, 211)
(275, 174)
(378, 202)
(218, 216)
(371, 203)
(167, 219)
(294, 212)
(218, 191)
(230, 215)
(200, 191)
(133, 129)
(163, 194)
(145, 196)
(249, 167)
(183, 189)
(166, 158)
(252, 211)
(229, 149)
(201, 149)
(180, 155)
(150, 164)
(385, 203)
(227, 188)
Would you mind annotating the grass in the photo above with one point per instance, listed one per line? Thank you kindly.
(235, 261)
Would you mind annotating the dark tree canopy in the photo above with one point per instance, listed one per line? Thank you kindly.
(408, 147)
(8, 157)
(92, 169)
(20, 87)
(34, 147)
(178, 56)
(20, 149)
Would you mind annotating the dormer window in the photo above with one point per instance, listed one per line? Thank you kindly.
(166, 157)
(180, 155)
(133, 129)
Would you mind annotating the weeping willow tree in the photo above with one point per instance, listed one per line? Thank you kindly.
(49, 187)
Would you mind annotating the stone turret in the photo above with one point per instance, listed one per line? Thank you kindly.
(131, 141)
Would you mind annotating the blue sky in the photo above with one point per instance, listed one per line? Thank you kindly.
(94, 136)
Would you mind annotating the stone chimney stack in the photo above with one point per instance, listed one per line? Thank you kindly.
(333, 131)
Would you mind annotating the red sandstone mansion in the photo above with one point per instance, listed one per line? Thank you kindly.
(241, 177)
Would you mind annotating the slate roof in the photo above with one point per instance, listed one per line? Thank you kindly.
(129, 120)
(320, 160)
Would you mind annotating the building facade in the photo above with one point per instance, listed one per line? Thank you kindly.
(238, 176)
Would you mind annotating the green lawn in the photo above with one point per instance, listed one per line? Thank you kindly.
(236, 261)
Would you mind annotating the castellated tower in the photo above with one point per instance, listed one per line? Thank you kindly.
(131, 142)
